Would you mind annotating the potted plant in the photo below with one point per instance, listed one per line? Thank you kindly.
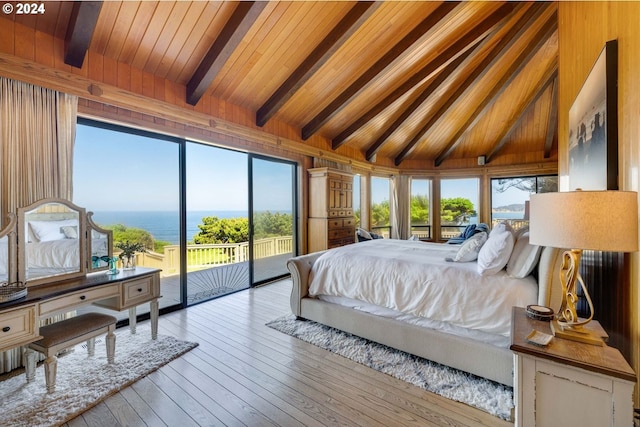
(128, 254)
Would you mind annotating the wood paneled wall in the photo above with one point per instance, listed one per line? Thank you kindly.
(584, 27)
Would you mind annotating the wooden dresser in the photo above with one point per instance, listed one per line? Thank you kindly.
(331, 220)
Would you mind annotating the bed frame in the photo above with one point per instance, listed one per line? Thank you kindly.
(468, 355)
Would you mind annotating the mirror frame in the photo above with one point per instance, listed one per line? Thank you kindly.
(91, 225)
(22, 239)
(9, 231)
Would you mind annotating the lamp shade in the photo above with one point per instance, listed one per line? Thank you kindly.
(593, 220)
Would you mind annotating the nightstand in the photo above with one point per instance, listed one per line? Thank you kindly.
(567, 382)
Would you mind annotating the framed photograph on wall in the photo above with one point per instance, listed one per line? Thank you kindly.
(593, 126)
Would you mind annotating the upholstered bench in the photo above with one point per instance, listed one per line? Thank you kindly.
(66, 333)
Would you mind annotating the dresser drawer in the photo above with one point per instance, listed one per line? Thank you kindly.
(137, 291)
(336, 223)
(71, 301)
(340, 223)
(18, 327)
(340, 233)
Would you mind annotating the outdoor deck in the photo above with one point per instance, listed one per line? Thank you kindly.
(209, 283)
(221, 280)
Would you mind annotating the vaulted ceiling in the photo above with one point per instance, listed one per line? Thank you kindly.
(400, 80)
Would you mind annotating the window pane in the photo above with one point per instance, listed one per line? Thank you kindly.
(547, 184)
(459, 201)
(380, 205)
(356, 199)
(508, 200)
(509, 197)
(420, 200)
(217, 221)
(131, 183)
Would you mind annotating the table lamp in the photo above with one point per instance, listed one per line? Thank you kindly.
(575, 221)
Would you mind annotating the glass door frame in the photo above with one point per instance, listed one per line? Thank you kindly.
(294, 213)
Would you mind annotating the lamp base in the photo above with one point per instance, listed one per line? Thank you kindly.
(580, 334)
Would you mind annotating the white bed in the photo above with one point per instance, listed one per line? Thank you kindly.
(404, 295)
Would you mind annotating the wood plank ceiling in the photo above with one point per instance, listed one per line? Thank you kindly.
(433, 81)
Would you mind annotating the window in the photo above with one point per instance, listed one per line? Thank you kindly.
(509, 197)
(420, 208)
(194, 207)
(356, 199)
(459, 201)
(380, 221)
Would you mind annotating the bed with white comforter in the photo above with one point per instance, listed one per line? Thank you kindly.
(405, 295)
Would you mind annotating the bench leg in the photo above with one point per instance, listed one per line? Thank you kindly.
(29, 357)
(111, 344)
(91, 346)
(50, 368)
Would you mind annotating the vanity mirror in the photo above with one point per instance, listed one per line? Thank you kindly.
(99, 246)
(8, 271)
(51, 241)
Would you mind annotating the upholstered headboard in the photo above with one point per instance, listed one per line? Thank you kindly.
(549, 286)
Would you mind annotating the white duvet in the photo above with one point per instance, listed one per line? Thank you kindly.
(413, 277)
(63, 253)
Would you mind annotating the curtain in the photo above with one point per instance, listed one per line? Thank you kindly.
(37, 134)
(400, 215)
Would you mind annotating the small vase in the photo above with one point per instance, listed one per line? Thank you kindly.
(129, 262)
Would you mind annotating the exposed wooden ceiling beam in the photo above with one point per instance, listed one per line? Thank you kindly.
(463, 44)
(407, 112)
(387, 59)
(82, 24)
(476, 75)
(541, 37)
(234, 30)
(548, 79)
(348, 25)
(552, 129)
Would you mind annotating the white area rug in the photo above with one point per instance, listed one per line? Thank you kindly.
(84, 381)
(489, 396)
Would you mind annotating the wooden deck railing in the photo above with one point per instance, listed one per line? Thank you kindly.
(211, 255)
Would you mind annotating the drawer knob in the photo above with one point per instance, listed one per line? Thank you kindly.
(139, 289)
(82, 297)
(6, 329)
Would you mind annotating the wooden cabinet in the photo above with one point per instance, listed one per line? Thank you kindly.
(331, 220)
(567, 382)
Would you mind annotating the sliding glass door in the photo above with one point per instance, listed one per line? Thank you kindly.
(273, 220)
(217, 222)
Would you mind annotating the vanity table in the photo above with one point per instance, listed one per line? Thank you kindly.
(19, 319)
(58, 260)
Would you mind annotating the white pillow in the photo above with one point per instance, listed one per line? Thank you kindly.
(470, 248)
(523, 258)
(70, 231)
(364, 234)
(495, 253)
(46, 231)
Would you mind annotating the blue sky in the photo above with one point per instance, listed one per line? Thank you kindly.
(115, 171)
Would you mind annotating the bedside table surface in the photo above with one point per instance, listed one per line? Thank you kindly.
(602, 359)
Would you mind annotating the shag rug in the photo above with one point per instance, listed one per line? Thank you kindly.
(489, 396)
(82, 381)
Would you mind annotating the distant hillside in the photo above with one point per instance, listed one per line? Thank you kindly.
(516, 207)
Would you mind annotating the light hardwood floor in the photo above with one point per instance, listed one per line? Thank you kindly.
(246, 374)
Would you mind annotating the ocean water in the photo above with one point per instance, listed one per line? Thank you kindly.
(163, 225)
